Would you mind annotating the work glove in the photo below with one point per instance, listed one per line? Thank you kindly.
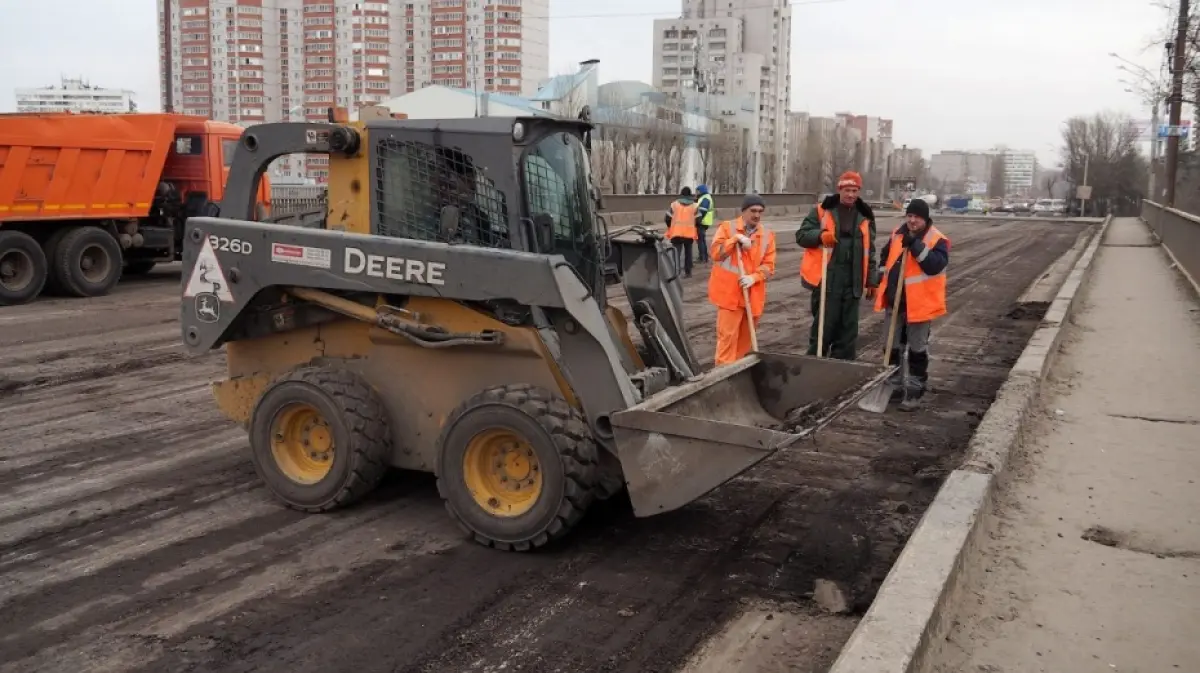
(748, 280)
(828, 239)
(744, 241)
(909, 237)
(871, 292)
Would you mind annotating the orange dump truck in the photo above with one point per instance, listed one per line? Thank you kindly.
(85, 197)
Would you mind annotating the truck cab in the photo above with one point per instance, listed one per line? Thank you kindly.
(198, 164)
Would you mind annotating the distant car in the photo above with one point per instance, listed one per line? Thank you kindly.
(1021, 208)
(1003, 208)
(1043, 208)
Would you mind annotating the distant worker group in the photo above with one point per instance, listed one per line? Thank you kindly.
(839, 263)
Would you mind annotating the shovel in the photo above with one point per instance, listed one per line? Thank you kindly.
(876, 401)
(737, 252)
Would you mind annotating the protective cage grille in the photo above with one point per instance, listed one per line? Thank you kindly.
(415, 180)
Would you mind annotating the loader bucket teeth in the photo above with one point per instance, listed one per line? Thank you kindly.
(685, 441)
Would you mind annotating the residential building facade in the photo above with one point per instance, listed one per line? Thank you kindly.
(75, 95)
(253, 61)
(739, 49)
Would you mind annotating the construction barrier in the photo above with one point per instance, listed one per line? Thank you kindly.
(1179, 233)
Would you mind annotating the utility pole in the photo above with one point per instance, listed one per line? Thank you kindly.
(1153, 146)
(1176, 100)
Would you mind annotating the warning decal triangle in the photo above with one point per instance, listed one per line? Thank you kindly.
(207, 276)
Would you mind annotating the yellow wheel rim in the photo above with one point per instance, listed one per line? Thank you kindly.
(302, 443)
(502, 473)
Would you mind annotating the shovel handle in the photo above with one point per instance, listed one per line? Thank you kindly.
(737, 252)
(891, 337)
(821, 310)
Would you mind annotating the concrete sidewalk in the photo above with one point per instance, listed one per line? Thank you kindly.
(1091, 561)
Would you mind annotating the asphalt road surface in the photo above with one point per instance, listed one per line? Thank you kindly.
(134, 535)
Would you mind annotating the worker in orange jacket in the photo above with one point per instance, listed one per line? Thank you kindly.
(748, 238)
(681, 226)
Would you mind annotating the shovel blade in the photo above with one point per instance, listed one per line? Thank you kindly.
(876, 401)
(683, 442)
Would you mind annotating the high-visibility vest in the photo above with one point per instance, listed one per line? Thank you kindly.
(683, 221)
(924, 295)
(711, 213)
(723, 289)
(810, 263)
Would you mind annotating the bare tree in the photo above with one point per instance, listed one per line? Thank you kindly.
(845, 154)
(704, 157)
(770, 172)
(1106, 144)
(729, 161)
(570, 99)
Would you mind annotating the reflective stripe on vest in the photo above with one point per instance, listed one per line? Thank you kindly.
(810, 262)
(708, 216)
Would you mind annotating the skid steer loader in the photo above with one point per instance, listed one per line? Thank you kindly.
(449, 314)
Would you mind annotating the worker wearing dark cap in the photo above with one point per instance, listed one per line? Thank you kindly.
(922, 300)
(748, 238)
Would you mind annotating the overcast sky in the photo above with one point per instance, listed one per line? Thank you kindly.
(953, 74)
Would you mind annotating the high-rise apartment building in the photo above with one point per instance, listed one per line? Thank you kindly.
(253, 61)
(75, 95)
(735, 48)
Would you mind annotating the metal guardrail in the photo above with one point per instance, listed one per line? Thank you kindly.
(1179, 233)
(290, 199)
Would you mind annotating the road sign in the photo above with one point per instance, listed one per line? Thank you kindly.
(1166, 130)
(1083, 192)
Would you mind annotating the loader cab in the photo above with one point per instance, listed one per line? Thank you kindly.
(454, 181)
(198, 164)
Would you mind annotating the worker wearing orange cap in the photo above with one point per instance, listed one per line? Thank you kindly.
(841, 229)
(746, 237)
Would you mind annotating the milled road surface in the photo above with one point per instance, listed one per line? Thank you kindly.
(134, 535)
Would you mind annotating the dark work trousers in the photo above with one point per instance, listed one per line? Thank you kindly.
(702, 243)
(841, 322)
(686, 245)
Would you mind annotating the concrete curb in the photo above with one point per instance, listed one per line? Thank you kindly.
(907, 619)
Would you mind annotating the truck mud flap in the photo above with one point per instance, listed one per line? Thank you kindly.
(683, 442)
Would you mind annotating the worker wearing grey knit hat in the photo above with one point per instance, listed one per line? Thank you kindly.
(743, 258)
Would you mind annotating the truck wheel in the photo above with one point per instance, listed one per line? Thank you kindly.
(139, 267)
(516, 466)
(22, 268)
(87, 262)
(319, 438)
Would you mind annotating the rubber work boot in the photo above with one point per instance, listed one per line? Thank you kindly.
(896, 380)
(918, 381)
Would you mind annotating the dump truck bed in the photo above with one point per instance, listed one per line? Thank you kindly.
(83, 166)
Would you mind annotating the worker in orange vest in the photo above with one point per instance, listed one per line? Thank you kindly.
(748, 238)
(923, 298)
(841, 228)
(681, 226)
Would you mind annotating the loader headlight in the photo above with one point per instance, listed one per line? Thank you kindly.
(518, 132)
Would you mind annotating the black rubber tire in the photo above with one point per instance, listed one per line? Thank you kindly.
(139, 267)
(27, 248)
(563, 444)
(69, 249)
(362, 439)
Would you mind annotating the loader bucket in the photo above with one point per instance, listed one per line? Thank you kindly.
(685, 441)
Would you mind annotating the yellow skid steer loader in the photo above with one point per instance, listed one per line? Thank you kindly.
(448, 313)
